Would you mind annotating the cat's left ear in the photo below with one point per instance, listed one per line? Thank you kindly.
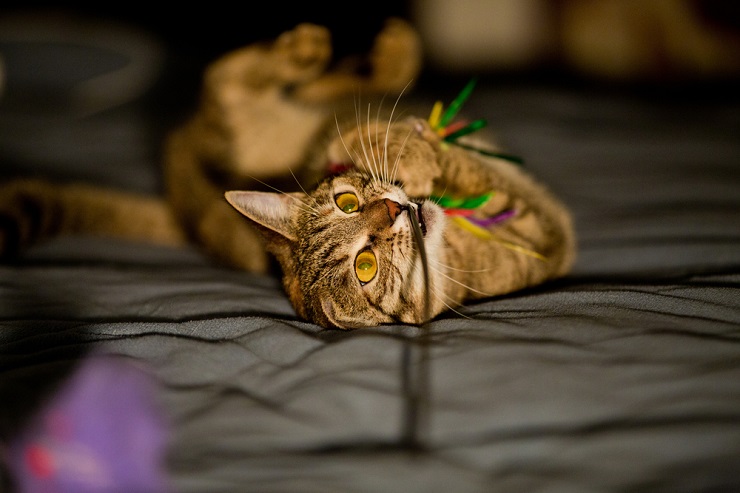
(271, 210)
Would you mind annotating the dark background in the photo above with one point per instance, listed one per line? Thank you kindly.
(40, 127)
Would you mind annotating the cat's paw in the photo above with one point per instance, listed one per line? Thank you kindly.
(302, 54)
(396, 56)
(418, 183)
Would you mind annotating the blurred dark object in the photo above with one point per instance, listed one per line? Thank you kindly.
(210, 30)
(611, 39)
(79, 79)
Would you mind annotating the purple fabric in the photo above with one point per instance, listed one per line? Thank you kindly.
(102, 432)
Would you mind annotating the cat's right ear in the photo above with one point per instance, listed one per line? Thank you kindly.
(272, 210)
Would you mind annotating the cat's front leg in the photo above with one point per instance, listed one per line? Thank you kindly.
(418, 165)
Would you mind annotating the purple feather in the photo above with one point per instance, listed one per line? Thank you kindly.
(495, 219)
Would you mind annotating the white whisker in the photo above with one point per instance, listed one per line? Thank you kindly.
(470, 288)
(398, 156)
(437, 262)
(367, 162)
(449, 307)
(353, 155)
(383, 159)
(356, 158)
(372, 150)
(302, 205)
(303, 189)
(441, 194)
(387, 135)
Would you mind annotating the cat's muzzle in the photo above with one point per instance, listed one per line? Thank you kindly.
(415, 209)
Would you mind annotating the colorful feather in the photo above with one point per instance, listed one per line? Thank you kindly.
(465, 130)
(487, 222)
(435, 115)
(465, 224)
(457, 103)
(448, 202)
(441, 121)
(472, 228)
(461, 210)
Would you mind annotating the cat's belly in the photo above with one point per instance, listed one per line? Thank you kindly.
(271, 138)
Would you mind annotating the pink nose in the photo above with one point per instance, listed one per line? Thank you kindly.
(394, 209)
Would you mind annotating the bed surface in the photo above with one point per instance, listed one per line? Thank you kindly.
(624, 376)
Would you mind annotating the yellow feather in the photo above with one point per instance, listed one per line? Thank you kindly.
(486, 235)
(472, 228)
(435, 114)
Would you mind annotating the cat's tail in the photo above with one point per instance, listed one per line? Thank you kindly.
(32, 211)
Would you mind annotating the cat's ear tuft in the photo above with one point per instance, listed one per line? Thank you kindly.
(272, 210)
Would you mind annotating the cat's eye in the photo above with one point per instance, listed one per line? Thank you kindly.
(366, 266)
(348, 202)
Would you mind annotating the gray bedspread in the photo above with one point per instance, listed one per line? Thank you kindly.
(624, 376)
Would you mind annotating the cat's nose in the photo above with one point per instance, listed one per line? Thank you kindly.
(394, 209)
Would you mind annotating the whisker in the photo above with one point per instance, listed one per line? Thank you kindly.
(388, 130)
(353, 155)
(301, 187)
(303, 206)
(449, 307)
(344, 144)
(370, 144)
(362, 143)
(383, 157)
(470, 288)
(460, 270)
(438, 199)
(398, 156)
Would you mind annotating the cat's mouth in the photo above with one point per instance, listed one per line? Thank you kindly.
(415, 209)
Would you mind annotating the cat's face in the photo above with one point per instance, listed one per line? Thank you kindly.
(348, 250)
(359, 263)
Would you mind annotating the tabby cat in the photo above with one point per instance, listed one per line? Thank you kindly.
(374, 216)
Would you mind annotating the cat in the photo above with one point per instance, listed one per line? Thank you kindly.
(374, 214)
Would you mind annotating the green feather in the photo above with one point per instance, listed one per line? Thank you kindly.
(461, 203)
(475, 202)
(447, 202)
(456, 104)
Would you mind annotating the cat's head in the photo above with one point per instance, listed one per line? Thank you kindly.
(347, 249)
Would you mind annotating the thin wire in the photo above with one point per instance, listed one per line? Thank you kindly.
(416, 370)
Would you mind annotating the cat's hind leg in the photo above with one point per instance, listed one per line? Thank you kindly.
(32, 211)
(393, 64)
(395, 58)
(293, 58)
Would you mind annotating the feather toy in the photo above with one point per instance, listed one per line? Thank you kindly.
(462, 210)
(442, 121)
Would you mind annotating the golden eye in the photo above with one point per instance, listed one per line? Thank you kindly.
(347, 202)
(366, 266)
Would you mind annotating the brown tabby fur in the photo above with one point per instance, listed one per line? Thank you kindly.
(275, 114)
